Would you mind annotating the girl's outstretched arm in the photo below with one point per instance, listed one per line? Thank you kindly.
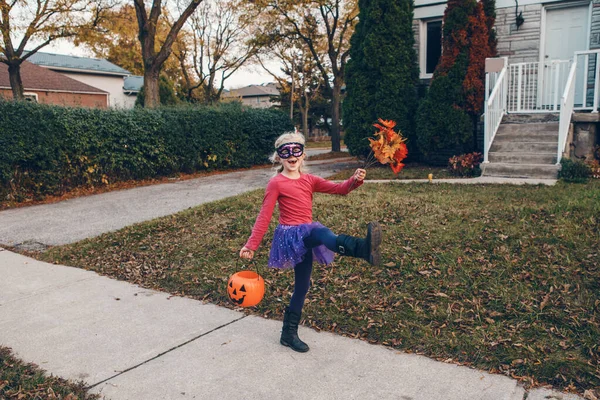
(325, 186)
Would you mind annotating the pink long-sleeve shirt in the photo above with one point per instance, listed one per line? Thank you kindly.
(295, 198)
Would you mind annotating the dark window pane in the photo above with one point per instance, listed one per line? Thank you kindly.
(434, 45)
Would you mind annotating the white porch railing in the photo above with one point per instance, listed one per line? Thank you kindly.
(495, 106)
(532, 89)
(566, 111)
(586, 80)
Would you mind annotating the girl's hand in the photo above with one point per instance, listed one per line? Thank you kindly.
(246, 253)
(360, 174)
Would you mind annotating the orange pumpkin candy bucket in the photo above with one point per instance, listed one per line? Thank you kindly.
(246, 288)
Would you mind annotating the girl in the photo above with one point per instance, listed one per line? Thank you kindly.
(297, 239)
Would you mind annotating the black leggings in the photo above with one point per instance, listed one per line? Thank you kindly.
(303, 270)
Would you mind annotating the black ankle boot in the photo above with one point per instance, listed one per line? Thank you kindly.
(289, 333)
(367, 248)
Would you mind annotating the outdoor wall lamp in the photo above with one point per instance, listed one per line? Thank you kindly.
(519, 20)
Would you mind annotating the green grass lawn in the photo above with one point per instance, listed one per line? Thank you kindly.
(19, 380)
(502, 278)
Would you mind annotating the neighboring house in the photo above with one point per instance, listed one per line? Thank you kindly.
(99, 73)
(132, 86)
(547, 70)
(256, 96)
(49, 87)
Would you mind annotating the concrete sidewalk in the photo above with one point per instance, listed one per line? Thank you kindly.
(127, 342)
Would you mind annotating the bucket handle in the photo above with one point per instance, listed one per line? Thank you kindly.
(252, 261)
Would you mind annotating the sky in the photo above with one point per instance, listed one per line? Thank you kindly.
(252, 75)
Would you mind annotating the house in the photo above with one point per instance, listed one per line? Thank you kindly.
(133, 85)
(98, 73)
(256, 96)
(49, 87)
(543, 89)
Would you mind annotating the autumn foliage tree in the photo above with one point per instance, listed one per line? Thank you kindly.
(448, 115)
(115, 39)
(382, 72)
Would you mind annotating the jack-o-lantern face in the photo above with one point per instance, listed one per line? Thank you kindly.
(233, 293)
(246, 288)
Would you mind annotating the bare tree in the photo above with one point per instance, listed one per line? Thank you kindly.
(301, 76)
(221, 45)
(321, 24)
(154, 54)
(39, 23)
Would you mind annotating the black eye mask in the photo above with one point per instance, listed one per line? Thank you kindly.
(288, 150)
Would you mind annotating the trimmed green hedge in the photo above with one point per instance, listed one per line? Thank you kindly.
(48, 150)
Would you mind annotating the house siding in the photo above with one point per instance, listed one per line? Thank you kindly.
(595, 26)
(111, 84)
(521, 45)
(64, 99)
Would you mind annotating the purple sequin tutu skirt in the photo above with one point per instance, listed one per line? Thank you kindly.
(288, 247)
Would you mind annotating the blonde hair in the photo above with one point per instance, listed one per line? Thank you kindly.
(288, 137)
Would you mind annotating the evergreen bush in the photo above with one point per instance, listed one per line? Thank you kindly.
(48, 150)
(574, 171)
(447, 118)
(382, 73)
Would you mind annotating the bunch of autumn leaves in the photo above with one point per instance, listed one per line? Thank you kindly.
(388, 147)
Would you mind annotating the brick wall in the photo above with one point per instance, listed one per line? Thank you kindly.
(65, 99)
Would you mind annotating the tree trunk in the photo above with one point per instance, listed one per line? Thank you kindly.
(14, 76)
(335, 115)
(151, 88)
(304, 111)
(305, 123)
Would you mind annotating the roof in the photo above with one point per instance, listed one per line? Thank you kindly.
(254, 91)
(76, 64)
(38, 78)
(133, 83)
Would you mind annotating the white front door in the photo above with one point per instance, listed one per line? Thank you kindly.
(566, 32)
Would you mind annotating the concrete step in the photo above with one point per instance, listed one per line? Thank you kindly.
(522, 158)
(525, 137)
(539, 171)
(506, 146)
(531, 118)
(531, 129)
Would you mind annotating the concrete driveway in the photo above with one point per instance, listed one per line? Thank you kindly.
(76, 219)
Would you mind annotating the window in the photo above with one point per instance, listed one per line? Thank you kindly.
(33, 97)
(430, 46)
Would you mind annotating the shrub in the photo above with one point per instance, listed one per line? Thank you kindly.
(466, 164)
(48, 150)
(381, 74)
(447, 118)
(574, 171)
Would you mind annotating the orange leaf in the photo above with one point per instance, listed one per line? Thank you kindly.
(386, 123)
